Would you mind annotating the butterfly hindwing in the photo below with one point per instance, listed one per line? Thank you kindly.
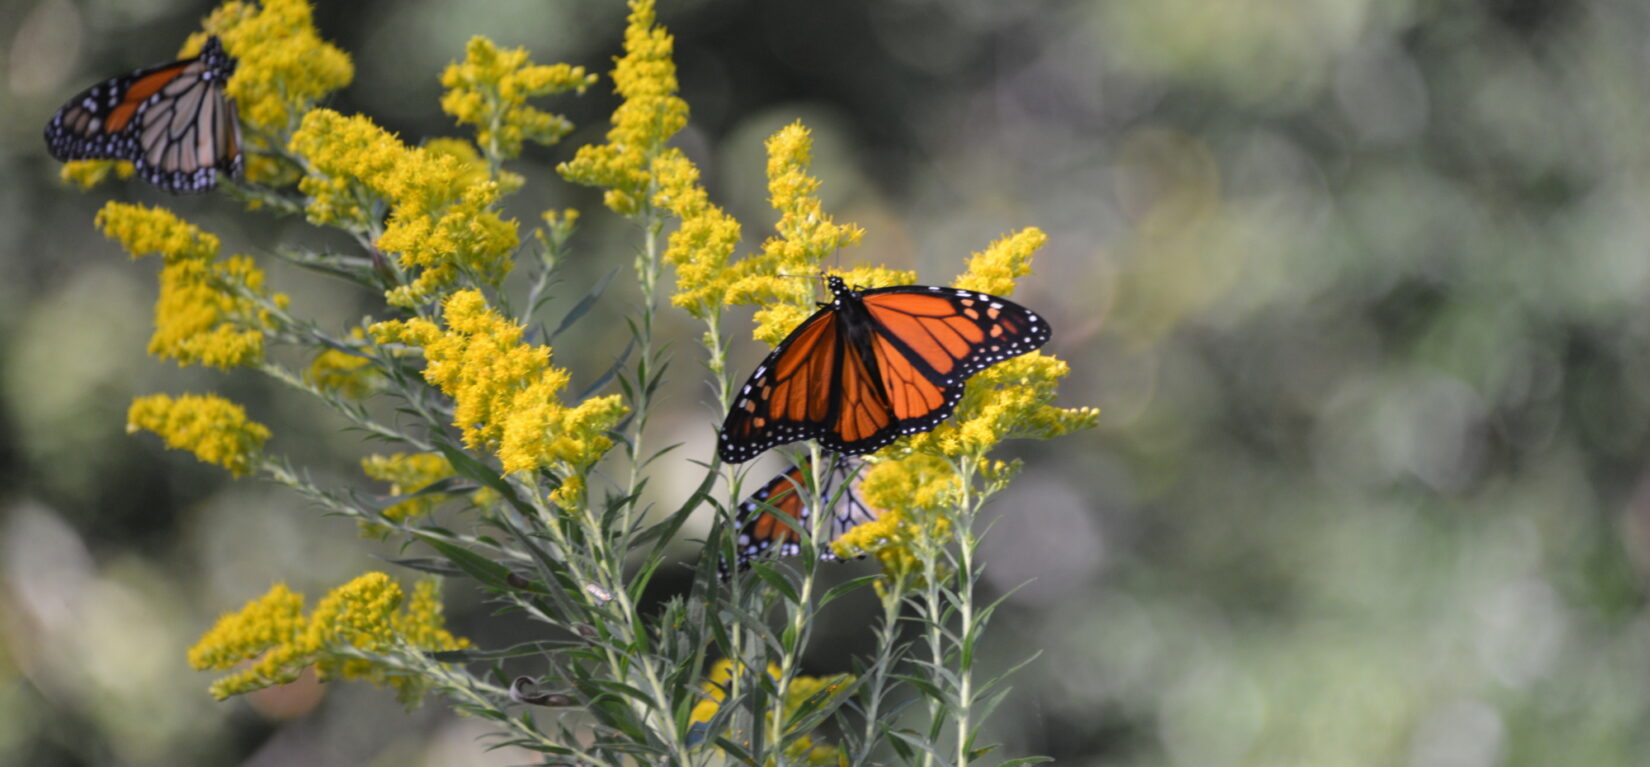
(173, 122)
(873, 365)
(760, 530)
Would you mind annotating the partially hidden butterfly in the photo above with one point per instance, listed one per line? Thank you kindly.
(172, 121)
(874, 364)
(760, 529)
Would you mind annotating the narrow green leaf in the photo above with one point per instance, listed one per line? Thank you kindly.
(472, 655)
(579, 309)
(484, 570)
(767, 572)
(847, 587)
(427, 565)
(480, 472)
(607, 375)
(1026, 760)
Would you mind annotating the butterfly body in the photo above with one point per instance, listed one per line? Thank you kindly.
(173, 122)
(872, 365)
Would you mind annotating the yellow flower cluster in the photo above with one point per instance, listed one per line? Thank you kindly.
(283, 67)
(442, 222)
(214, 429)
(474, 166)
(651, 112)
(267, 632)
(409, 473)
(1009, 400)
(349, 375)
(915, 490)
(702, 246)
(203, 315)
(806, 235)
(995, 269)
(504, 391)
(367, 616)
(89, 173)
(803, 750)
(490, 91)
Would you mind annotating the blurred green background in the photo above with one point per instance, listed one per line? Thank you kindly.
(1359, 285)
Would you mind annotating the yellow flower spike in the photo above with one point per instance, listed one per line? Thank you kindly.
(808, 234)
(214, 429)
(267, 632)
(464, 236)
(352, 158)
(441, 224)
(505, 392)
(995, 269)
(702, 246)
(408, 473)
(490, 90)
(89, 173)
(473, 166)
(650, 113)
(1008, 400)
(283, 66)
(368, 614)
(570, 495)
(779, 278)
(422, 623)
(199, 318)
(142, 230)
(916, 490)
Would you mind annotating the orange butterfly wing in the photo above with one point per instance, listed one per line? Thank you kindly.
(873, 365)
(789, 397)
(761, 530)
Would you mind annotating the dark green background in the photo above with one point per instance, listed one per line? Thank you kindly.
(1359, 286)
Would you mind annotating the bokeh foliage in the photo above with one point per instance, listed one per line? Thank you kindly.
(1360, 287)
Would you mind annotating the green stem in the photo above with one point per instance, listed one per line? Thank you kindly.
(803, 609)
(887, 653)
(965, 608)
(934, 622)
(647, 268)
(608, 573)
(360, 419)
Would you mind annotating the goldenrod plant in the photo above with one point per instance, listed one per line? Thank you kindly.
(503, 479)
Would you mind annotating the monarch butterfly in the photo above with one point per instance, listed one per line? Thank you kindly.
(172, 121)
(787, 493)
(874, 364)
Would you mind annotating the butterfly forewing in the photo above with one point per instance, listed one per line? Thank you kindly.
(173, 122)
(788, 397)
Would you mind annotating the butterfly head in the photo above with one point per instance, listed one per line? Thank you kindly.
(219, 63)
(838, 287)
